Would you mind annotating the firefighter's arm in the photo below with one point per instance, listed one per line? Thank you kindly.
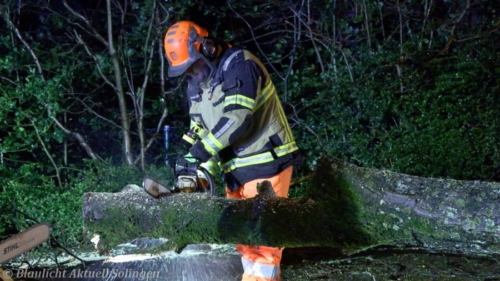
(212, 165)
(242, 81)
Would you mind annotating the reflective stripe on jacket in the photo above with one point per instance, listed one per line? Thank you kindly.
(238, 119)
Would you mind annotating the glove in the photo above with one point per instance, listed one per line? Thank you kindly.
(187, 162)
(190, 158)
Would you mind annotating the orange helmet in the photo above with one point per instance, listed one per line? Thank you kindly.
(184, 44)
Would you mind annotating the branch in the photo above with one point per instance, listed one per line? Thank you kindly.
(9, 80)
(487, 33)
(453, 36)
(308, 128)
(427, 12)
(97, 114)
(127, 148)
(99, 69)
(52, 238)
(16, 31)
(367, 23)
(157, 132)
(80, 139)
(46, 151)
(87, 22)
(140, 103)
(253, 36)
(347, 64)
(310, 35)
(400, 30)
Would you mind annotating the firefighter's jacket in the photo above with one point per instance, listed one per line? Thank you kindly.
(237, 121)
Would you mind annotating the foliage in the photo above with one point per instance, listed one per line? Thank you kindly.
(29, 197)
(438, 129)
(409, 86)
(406, 107)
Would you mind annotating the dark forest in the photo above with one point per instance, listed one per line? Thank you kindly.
(407, 86)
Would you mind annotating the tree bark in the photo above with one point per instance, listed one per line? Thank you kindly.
(347, 207)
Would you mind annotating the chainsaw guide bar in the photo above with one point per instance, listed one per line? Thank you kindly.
(24, 241)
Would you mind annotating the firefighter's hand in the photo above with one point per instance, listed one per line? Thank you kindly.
(190, 158)
(185, 170)
(187, 162)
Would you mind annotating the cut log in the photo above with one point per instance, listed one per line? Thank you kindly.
(347, 208)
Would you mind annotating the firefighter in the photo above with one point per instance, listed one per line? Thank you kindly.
(237, 125)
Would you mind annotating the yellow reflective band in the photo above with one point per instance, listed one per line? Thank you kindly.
(192, 123)
(247, 161)
(285, 149)
(266, 93)
(261, 158)
(284, 121)
(250, 56)
(261, 270)
(188, 139)
(211, 144)
(210, 166)
(239, 100)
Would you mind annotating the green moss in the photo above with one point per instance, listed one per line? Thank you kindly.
(460, 203)
(335, 195)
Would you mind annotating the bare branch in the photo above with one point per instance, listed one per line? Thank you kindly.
(45, 149)
(96, 61)
(400, 13)
(140, 103)
(427, 12)
(367, 24)
(381, 20)
(9, 80)
(310, 35)
(253, 36)
(26, 45)
(453, 36)
(97, 114)
(127, 147)
(296, 119)
(347, 65)
(87, 22)
(151, 48)
(80, 139)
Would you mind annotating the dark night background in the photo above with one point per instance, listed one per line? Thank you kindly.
(409, 86)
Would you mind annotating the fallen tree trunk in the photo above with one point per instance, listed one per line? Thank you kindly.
(347, 207)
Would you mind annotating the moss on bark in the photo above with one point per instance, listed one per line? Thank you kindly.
(348, 208)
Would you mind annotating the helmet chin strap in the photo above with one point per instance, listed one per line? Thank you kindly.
(212, 67)
(219, 46)
(208, 61)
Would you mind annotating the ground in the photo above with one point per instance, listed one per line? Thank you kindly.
(222, 263)
(407, 265)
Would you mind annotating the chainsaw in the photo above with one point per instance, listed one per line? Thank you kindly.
(189, 177)
(23, 242)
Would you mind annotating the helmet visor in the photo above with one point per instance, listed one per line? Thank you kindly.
(174, 71)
